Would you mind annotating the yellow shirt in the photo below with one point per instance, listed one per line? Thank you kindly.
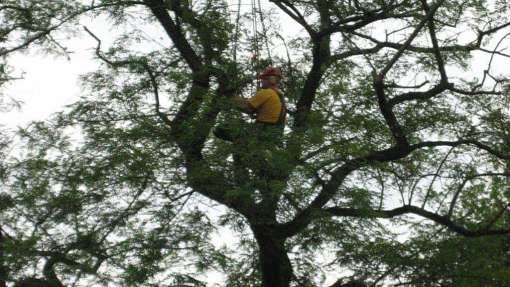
(267, 105)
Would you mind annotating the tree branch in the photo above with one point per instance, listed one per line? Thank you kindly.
(409, 40)
(420, 96)
(384, 106)
(3, 269)
(294, 13)
(455, 197)
(388, 114)
(410, 209)
(302, 219)
(435, 44)
(436, 175)
(47, 31)
(158, 8)
(148, 69)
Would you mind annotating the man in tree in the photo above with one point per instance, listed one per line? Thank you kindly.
(256, 142)
(268, 108)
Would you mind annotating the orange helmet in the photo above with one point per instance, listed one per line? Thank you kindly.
(271, 71)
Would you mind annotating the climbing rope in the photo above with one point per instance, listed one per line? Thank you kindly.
(236, 33)
(256, 12)
(264, 33)
(255, 26)
(255, 56)
(259, 42)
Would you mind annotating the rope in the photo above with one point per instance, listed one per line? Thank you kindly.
(256, 8)
(264, 31)
(236, 33)
(256, 42)
(255, 26)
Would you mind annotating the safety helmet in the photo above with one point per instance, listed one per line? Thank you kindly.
(271, 71)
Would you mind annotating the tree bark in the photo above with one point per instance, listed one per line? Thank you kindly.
(506, 241)
(275, 264)
(3, 271)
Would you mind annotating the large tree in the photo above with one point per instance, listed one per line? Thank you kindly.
(393, 167)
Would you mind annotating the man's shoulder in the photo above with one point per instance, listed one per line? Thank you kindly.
(267, 92)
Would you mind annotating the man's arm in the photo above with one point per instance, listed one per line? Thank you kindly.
(243, 105)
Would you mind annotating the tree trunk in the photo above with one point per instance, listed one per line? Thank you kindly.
(275, 265)
(3, 271)
(506, 244)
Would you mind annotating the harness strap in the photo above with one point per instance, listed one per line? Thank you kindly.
(283, 111)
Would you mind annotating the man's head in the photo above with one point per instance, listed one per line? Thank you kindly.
(270, 81)
(270, 77)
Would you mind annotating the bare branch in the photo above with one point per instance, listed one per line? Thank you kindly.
(384, 106)
(486, 72)
(476, 143)
(148, 69)
(436, 176)
(428, 17)
(45, 32)
(294, 13)
(388, 114)
(481, 34)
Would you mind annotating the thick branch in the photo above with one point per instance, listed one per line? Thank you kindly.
(388, 114)
(410, 209)
(421, 96)
(183, 11)
(338, 176)
(482, 34)
(294, 13)
(435, 44)
(476, 143)
(384, 106)
(321, 58)
(158, 8)
(303, 218)
(356, 52)
(363, 20)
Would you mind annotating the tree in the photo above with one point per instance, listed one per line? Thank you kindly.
(388, 127)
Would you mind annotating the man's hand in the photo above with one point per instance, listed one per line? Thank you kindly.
(243, 105)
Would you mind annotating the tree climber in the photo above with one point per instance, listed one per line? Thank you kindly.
(268, 108)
